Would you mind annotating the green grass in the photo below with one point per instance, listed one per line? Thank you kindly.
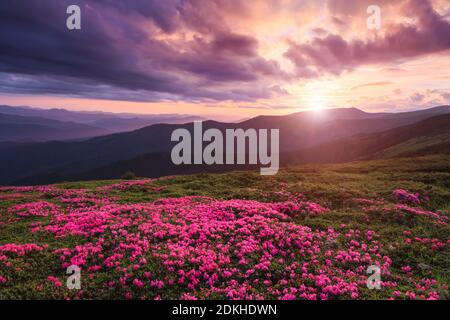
(413, 145)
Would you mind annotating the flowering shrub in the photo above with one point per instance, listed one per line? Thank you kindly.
(56, 282)
(301, 208)
(134, 185)
(435, 217)
(14, 196)
(21, 249)
(37, 209)
(403, 214)
(406, 197)
(24, 189)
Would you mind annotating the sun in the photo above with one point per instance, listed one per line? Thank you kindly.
(316, 103)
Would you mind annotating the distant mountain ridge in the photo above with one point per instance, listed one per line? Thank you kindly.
(106, 121)
(334, 136)
(18, 128)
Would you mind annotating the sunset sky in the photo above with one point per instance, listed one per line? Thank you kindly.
(225, 59)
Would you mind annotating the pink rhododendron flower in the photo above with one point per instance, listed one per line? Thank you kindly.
(55, 281)
(406, 196)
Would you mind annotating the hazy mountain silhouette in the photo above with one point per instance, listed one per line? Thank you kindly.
(110, 122)
(19, 128)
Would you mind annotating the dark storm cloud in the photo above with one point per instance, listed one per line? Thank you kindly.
(172, 15)
(113, 51)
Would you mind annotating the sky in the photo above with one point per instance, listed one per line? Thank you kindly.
(228, 59)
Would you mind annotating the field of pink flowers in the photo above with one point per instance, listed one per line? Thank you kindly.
(140, 240)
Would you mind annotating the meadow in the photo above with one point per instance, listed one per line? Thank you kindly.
(309, 232)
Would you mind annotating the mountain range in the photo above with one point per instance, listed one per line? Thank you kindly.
(36, 129)
(25, 124)
(330, 136)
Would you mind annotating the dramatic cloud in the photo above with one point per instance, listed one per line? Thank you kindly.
(417, 97)
(258, 52)
(117, 48)
(333, 54)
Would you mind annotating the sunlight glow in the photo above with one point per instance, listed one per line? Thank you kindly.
(316, 103)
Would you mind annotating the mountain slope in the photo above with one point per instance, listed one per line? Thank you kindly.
(417, 146)
(435, 130)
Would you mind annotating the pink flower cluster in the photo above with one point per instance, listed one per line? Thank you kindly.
(21, 249)
(407, 197)
(37, 209)
(12, 258)
(300, 208)
(436, 217)
(404, 214)
(56, 282)
(14, 196)
(42, 189)
(433, 244)
(208, 248)
(134, 185)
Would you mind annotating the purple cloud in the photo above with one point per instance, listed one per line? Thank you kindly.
(332, 54)
(116, 50)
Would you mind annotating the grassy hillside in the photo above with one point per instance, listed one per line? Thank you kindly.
(429, 136)
(418, 146)
(309, 232)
